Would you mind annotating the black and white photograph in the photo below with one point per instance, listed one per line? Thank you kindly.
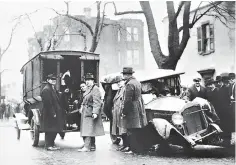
(128, 82)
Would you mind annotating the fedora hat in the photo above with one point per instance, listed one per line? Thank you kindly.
(127, 70)
(89, 76)
(51, 76)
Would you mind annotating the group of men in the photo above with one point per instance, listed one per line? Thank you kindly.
(55, 106)
(221, 94)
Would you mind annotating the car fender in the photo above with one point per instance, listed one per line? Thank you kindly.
(165, 129)
(216, 127)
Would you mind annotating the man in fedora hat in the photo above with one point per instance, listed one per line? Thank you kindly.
(52, 113)
(196, 90)
(91, 119)
(133, 114)
(225, 113)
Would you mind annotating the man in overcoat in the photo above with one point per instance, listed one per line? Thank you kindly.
(133, 114)
(226, 115)
(52, 113)
(91, 119)
(196, 90)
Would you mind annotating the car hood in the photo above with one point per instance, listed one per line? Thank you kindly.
(166, 103)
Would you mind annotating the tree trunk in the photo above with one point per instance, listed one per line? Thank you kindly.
(95, 35)
(176, 49)
(152, 33)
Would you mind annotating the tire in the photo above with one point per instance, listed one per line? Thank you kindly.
(35, 135)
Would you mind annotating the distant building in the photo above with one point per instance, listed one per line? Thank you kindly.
(210, 49)
(121, 42)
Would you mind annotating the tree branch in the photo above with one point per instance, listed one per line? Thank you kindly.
(179, 9)
(200, 16)
(186, 34)
(10, 40)
(125, 12)
(94, 39)
(196, 12)
(76, 19)
(39, 40)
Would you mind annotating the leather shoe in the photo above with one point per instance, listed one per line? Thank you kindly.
(126, 149)
(51, 149)
(121, 148)
(84, 149)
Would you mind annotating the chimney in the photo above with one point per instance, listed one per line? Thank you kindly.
(87, 12)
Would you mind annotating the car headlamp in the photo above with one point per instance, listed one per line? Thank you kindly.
(177, 119)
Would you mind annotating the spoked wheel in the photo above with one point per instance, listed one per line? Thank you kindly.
(35, 134)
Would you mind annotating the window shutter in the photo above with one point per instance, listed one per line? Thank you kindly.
(212, 38)
(199, 39)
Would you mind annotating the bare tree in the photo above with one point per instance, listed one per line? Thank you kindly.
(95, 31)
(3, 51)
(175, 46)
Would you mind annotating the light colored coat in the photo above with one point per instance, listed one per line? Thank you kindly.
(91, 104)
(118, 104)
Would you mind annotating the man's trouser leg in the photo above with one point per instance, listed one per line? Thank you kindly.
(93, 145)
(53, 137)
(47, 140)
(87, 142)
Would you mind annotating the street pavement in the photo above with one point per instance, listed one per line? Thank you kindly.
(13, 151)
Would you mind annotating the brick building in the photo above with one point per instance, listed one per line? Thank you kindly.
(121, 42)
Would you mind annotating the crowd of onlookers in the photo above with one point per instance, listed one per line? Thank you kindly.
(221, 94)
(6, 110)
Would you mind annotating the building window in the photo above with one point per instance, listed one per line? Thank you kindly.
(132, 34)
(118, 35)
(136, 57)
(119, 58)
(129, 33)
(135, 34)
(205, 39)
(129, 59)
(133, 57)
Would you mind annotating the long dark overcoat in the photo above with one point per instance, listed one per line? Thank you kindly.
(225, 113)
(193, 92)
(92, 103)
(212, 97)
(51, 107)
(134, 111)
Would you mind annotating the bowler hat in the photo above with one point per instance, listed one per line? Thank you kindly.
(127, 70)
(51, 76)
(89, 76)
